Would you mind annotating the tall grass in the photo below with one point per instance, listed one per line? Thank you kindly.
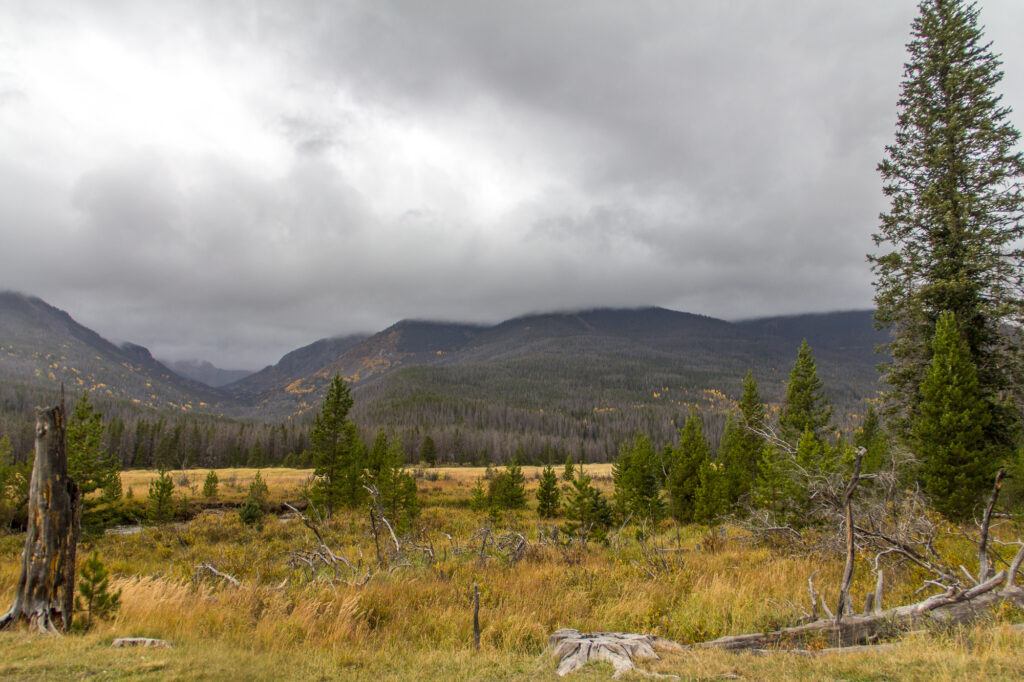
(412, 619)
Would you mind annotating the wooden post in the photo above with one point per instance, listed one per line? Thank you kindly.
(476, 617)
(45, 596)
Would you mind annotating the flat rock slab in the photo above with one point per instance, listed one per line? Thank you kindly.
(139, 641)
(574, 649)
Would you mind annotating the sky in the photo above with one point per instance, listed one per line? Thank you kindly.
(231, 180)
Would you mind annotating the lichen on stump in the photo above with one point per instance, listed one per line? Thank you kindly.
(45, 594)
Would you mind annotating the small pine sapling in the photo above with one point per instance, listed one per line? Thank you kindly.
(548, 494)
(161, 505)
(94, 595)
(210, 484)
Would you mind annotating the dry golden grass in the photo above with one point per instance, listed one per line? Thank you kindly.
(414, 621)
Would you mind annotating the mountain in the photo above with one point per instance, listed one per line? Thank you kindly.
(571, 364)
(42, 347)
(205, 372)
(292, 367)
(581, 380)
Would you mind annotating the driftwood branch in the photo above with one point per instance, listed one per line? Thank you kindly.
(209, 568)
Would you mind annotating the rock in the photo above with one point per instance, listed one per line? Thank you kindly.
(139, 641)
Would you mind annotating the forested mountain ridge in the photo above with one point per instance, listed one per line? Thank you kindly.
(581, 381)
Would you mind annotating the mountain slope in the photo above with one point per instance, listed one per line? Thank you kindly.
(572, 363)
(43, 347)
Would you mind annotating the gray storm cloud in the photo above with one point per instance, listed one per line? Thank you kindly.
(228, 181)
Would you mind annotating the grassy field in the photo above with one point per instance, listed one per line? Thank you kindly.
(412, 619)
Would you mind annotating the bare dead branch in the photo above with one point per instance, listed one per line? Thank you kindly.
(209, 568)
(851, 487)
(984, 563)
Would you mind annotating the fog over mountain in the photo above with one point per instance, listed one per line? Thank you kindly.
(229, 181)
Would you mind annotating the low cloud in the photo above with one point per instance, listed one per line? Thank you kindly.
(228, 181)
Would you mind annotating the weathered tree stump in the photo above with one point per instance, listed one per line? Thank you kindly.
(45, 595)
(575, 649)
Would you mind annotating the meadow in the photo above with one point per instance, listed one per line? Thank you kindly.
(408, 614)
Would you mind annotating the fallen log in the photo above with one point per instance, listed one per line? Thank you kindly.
(962, 608)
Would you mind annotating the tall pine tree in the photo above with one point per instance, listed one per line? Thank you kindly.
(951, 238)
(338, 453)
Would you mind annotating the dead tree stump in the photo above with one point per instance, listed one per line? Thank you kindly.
(574, 649)
(45, 595)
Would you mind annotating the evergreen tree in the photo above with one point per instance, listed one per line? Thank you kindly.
(428, 451)
(338, 453)
(586, 510)
(478, 496)
(957, 461)
(742, 444)
(953, 177)
(88, 462)
(210, 484)
(94, 595)
(806, 406)
(548, 494)
(255, 506)
(569, 472)
(396, 488)
(684, 476)
(774, 490)
(507, 490)
(257, 458)
(871, 436)
(14, 485)
(112, 489)
(638, 479)
(259, 491)
(161, 504)
(710, 501)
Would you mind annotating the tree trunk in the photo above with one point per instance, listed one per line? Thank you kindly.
(46, 589)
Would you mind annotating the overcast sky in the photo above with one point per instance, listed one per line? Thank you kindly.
(230, 180)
